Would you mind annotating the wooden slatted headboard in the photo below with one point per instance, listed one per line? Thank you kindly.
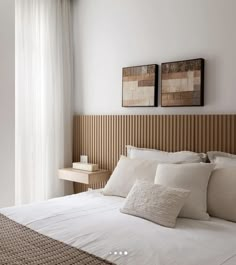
(103, 137)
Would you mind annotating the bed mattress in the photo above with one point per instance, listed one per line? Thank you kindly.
(93, 223)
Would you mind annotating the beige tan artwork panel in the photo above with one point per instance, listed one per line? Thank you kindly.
(182, 83)
(140, 86)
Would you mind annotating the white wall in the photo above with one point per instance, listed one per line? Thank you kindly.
(7, 101)
(109, 35)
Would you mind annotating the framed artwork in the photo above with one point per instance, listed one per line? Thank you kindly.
(182, 83)
(139, 86)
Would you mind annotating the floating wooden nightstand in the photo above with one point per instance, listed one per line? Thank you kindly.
(85, 179)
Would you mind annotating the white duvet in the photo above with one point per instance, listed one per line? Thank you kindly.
(93, 222)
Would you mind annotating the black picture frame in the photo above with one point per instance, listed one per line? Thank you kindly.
(156, 74)
(201, 63)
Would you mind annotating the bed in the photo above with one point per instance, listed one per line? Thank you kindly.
(89, 229)
(93, 223)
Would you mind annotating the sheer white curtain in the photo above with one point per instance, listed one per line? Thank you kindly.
(43, 98)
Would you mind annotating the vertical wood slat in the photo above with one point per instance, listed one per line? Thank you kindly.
(103, 138)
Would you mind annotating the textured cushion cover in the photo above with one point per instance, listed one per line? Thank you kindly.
(126, 173)
(222, 193)
(156, 203)
(165, 157)
(193, 177)
(213, 154)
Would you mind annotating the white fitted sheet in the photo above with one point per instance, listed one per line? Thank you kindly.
(93, 222)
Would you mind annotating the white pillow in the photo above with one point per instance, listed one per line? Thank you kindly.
(222, 193)
(126, 173)
(155, 203)
(165, 157)
(221, 161)
(193, 177)
(213, 154)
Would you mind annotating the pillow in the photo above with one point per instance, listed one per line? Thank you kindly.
(213, 154)
(221, 161)
(193, 177)
(222, 193)
(155, 203)
(126, 173)
(161, 156)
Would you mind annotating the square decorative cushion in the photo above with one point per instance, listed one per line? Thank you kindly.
(165, 157)
(155, 203)
(222, 190)
(126, 173)
(213, 154)
(192, 177)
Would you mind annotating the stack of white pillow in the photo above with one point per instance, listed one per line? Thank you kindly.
(161, 186)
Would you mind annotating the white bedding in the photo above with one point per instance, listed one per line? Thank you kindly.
(93, 222)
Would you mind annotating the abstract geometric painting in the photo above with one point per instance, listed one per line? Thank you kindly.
(140, 86)
(182, 83)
